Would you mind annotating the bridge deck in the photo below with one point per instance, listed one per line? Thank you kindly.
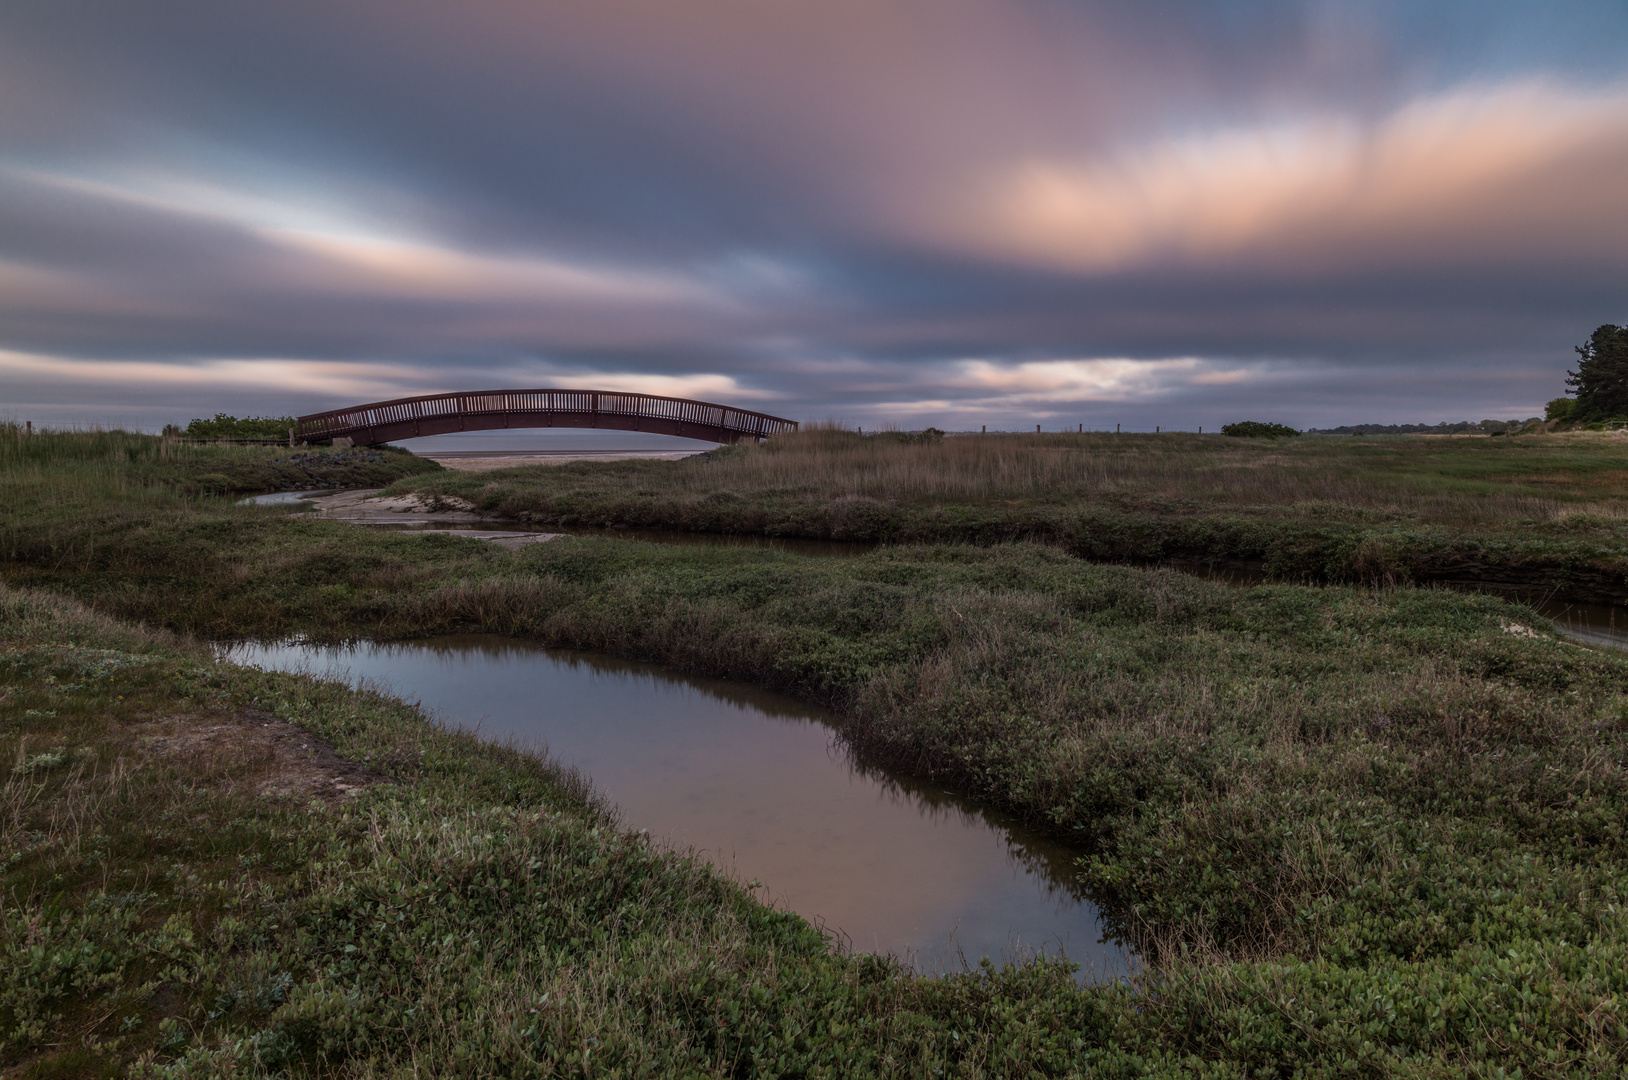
(486, 410)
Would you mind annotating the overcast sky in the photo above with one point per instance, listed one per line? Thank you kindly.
(955, 212)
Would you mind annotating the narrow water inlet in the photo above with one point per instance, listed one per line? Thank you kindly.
(485, 528)
(757, 783)
(1594, 623)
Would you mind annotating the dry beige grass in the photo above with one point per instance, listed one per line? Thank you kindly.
(1533, 477)
(1480, 481)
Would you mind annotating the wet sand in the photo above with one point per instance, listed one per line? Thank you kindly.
(363, 507)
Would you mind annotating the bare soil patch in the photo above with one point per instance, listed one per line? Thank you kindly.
(281, 758)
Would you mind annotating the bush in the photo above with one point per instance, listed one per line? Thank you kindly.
(910, 438)
(1601, 379)
(1254, 429)
(249, 427)
(1559, 409)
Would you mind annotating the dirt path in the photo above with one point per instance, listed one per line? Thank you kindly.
(278, 757)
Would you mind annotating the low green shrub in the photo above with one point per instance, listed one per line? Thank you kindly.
(1254, 429)
(222, 426)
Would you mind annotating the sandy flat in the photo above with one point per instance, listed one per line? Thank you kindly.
(364, 507)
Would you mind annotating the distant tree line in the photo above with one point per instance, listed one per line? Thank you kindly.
(1599, 386)
(1462, 427)
(1254, 429)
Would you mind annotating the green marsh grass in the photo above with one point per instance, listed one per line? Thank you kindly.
(1545, 512)
(1354, 831)
(1445, 480)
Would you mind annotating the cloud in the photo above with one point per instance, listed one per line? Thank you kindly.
(404, 268)
(328, 247)
(1073, 380)
(23, 374)
(344, 379)
(865, 208)
(1463, 175)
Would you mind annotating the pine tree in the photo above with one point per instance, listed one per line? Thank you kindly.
(1601, 379)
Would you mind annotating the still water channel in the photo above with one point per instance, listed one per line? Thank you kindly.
(1597, 624)
(758, 784)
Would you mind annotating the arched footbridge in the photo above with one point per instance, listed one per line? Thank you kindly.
(487, 410)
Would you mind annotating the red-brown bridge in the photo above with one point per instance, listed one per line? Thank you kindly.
(485, 410)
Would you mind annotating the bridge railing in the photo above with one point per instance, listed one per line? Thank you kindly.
(484, 404)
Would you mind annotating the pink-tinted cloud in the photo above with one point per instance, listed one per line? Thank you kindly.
(954, 208)
(1513, 172)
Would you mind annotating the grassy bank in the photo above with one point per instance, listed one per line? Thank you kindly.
(1543, 512)
(48, 474)
(1359, 832)
(175, 904)
(170, 913)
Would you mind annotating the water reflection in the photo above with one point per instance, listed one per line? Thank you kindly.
(791, 544)
(283, 498)
(1597, 624)
(757, 782)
